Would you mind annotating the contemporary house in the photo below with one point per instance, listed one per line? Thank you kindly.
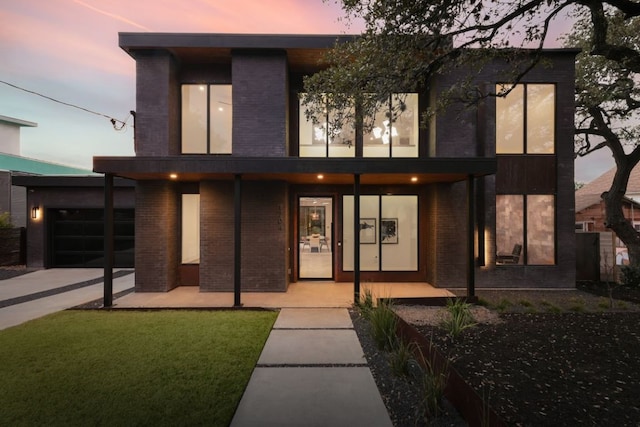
(237, 190)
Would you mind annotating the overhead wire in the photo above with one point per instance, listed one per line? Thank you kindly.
(116, 123)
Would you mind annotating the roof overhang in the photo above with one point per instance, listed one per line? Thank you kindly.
(303, 51)
(66, 181)
(297, 170)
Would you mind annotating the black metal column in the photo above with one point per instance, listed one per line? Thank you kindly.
(237, 241)
(356, 238)
(108, 240)
(471, 264)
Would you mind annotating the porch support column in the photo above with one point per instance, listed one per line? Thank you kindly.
(356, 238)
(108, 240)
(471, 265)
(237, 241)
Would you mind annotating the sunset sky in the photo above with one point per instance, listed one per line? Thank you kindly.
(68, 50)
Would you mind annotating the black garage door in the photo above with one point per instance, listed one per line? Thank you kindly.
(77, 237)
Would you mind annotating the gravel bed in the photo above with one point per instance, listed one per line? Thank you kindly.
(400, 395)
(547, 358)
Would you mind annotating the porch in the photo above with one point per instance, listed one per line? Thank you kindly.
(301, 294)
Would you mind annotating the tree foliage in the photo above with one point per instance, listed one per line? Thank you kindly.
(608, 109)
(406, 42)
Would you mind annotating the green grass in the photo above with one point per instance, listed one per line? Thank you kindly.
(129, 368)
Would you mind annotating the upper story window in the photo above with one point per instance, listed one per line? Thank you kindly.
(386, 139)
(320, 139)
(206, 119)
(398, 138)
(525, 119)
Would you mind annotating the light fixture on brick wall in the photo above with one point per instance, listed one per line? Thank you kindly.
(35, 212)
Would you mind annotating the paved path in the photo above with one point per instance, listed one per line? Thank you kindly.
(42, 292)
(312, 372)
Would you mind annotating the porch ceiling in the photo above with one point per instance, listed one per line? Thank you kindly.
(297, 170)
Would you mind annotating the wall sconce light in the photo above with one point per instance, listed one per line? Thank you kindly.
(35, 212)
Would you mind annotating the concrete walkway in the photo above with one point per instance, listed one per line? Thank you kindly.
(312, 372)
(43, 292)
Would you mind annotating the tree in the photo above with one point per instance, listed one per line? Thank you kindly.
(608, 113)
(406, 42)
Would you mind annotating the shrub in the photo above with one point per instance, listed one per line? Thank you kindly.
(630, 276)
(433, 381)
(5, 220)
(503, 304)
(459, 318)
(365, 305)
(383, 325)
(401, 357)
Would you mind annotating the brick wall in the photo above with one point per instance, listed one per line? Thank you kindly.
(260, 111)
(157, 131)
(468, 125)
(264, 236)
(216, 235)
(157, 236)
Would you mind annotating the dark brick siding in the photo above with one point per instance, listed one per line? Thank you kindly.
(260, 95)
(456, 136)
(157, 105)
(264, 236)
(157, 236)
(216, 236)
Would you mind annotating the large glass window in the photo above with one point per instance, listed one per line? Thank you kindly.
(525, 119)
(319, 139)
(525, 239)
(206, 119)
(388, 233)
(398, 138)
(386, 138)
(191, 229)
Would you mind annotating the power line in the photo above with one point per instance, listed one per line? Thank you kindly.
(113, 120)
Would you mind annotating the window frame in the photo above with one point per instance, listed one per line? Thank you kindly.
(525, 117)
(359, 144)
(208, 129)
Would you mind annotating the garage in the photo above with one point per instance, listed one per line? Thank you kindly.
(77, 237)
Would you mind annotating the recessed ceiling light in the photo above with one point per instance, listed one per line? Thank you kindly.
(414, 179)
(320, 176)
(173, 176)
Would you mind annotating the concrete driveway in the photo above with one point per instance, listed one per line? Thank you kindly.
(42, 292)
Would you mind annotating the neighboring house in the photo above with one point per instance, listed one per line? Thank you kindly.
(66, 220)
(236, 190)
(590, 208)
(13, 198)
(61, 207)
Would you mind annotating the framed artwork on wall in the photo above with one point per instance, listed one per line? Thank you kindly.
(367, 230)
(389, 230)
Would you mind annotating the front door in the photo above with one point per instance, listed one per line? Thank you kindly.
(315, 231)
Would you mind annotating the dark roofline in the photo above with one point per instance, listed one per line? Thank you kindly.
(67, 181)
(130, 42)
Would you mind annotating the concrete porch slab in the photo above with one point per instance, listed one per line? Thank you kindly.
(316, 318)
(312, 347)
(316, 397)
(300, 294)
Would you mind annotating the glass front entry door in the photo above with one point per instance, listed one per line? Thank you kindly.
(315, 225)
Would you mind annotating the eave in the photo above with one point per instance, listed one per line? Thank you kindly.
(297, 170)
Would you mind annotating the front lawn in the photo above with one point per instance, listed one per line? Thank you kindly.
(129, 368)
